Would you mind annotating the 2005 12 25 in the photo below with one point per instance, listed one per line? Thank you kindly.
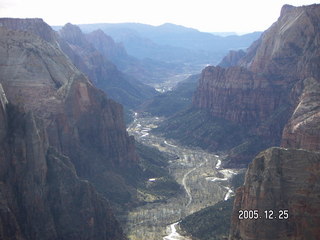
(282, 214)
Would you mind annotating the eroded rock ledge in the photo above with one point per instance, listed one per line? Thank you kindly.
(280, 179)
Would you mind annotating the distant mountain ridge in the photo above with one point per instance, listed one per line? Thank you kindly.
(265, 96)
(190, 45)
(175, 35)
(155, 54)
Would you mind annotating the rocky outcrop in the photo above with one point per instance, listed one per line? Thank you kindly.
(33, 25)
(289, 49)
(263, 90)
(41, 196)
(302, 130)
(92, 60)
(237, 94)
(279, 180)
(115, 52)
(81, 122)
(281, 184)
(232, 59)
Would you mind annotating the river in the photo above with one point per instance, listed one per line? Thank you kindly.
(199, 172)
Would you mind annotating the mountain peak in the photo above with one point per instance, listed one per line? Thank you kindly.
(99, 34)
(175, 27)
(70, 26)
(73, 34)
(286, 8)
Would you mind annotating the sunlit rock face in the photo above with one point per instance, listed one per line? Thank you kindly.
(285, 183)
(272, 83)
(302, 129)
(37, 76)
(286, 179)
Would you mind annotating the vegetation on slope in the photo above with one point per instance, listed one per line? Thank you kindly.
(153, 164)
(212, 223)
(196, 127)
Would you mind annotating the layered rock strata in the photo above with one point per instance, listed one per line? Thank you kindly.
(41, 196)
(282, 186)
(82, 136)
(232, 58)
(302, 129)
(286, 179)
(272, 83)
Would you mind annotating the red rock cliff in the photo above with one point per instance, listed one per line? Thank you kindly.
(279, 180)
(81, 122)
(41, 194)
(266, 86)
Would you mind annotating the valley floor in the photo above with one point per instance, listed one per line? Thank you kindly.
(199, 173)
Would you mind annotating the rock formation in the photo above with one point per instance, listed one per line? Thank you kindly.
(302, 130)
(280, 180)
(232, 59)
(115, 52)
(34, 25)
(272, 83)
(92, 60)
(41, 196)
(286, 179)
(80, 135)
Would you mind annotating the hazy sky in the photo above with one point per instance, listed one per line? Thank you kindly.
(205, 15)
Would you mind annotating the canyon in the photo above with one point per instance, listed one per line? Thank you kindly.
(59, 133)
(72, 169)
(265, 97)
(270, 88)
(91, 53)
(281, 69)
(204, 183)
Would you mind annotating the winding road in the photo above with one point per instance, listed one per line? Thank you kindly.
(184, 179)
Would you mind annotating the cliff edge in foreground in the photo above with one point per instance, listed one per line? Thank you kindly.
(280, 181)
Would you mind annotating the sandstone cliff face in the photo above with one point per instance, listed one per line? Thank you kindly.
(266, 86)
(237, 94)
(34, 25)
(287, 56)
(302, 130)
(289, 48)
(232, 59)
(280, 179)
(80, 121)
(107, 47)
(41, 196)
